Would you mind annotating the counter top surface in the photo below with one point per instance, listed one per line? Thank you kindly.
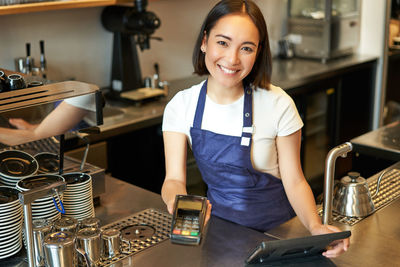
(374, 241)
(226, 244)
(383, 142)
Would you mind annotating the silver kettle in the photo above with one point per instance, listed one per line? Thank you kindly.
(352, 196)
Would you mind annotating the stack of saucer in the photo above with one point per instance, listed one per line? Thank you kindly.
(16, 165)
(78, 197)
(11, 222)
(48, 162)
(42, 208)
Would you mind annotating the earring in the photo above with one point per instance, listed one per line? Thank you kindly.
(202, 50)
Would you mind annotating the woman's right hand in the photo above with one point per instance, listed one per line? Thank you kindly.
(170, 206)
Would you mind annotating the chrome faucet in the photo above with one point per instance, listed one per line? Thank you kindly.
(330, 161)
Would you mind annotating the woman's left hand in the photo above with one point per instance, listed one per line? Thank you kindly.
(335, 248)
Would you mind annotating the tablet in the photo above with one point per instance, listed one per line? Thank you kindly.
(278, 250)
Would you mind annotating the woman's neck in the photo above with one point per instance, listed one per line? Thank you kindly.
(221, 94)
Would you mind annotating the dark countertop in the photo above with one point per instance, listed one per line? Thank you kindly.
(297, 72)
(383, 142)
(291, 74)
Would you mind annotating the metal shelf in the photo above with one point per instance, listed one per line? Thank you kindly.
(57, 5)
(44, 94)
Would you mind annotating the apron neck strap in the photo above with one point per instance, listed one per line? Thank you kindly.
(198, 117)
(247, 109)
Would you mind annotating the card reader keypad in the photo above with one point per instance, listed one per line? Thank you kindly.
(187, 226)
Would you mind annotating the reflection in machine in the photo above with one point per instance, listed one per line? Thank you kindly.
(44, 106)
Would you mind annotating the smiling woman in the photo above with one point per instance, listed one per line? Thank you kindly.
(244, 132)
(260, 75)
(230, 52)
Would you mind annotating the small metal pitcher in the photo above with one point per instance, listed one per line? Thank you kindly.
(352, 196)
(59, 248)
(41, 228)
(89, 246)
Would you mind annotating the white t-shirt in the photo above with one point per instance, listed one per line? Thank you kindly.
(87, 102)
(274, 114)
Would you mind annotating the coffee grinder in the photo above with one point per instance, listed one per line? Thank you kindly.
(131, 26)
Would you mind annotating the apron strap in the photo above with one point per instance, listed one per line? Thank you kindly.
(198, 117)
(248, 128)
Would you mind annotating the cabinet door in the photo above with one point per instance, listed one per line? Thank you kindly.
(138, 158)
(317, 109)
(355, 104)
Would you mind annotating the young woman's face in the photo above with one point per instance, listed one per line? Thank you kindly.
(231, 49)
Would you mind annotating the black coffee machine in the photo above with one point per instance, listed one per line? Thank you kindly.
(131, 26)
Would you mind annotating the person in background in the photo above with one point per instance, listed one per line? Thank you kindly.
(244, 132)
(63, 118)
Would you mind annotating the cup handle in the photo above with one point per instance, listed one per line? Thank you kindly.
(85, 255)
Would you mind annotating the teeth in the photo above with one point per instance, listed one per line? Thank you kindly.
(227, 70)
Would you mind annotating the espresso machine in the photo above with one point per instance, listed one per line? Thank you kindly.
(132, 26)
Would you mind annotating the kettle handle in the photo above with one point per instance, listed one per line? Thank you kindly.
(378, 183)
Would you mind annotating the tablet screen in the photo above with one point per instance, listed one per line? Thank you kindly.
(278, 250)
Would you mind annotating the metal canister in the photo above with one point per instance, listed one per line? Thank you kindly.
(66, 224)
(111, 243)
(59, 249)
(88, 240)
(41, 228)
(90, 222)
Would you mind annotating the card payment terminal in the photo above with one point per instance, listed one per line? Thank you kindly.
(188, 219)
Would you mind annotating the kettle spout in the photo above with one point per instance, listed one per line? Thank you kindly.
(378, 183)
(330, 161)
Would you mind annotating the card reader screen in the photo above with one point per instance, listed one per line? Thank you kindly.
(189, 205)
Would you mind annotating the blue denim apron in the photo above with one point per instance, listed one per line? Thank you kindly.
(237, 191)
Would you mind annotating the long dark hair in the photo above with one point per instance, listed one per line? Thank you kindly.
(260, 75)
